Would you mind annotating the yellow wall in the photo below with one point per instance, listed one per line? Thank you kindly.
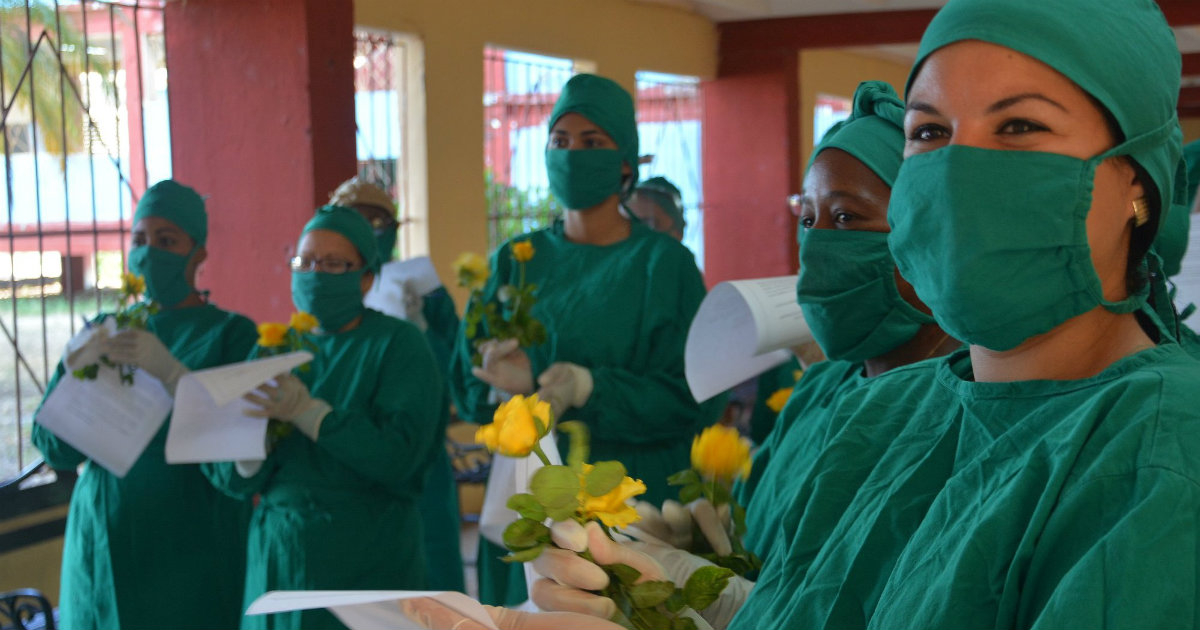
(838, 73)
(619, 36)
(36, 566)
(1191, 129)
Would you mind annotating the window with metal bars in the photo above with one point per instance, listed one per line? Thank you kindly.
(73, 78)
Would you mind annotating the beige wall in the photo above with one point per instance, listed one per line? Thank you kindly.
(36, 566)
(619, 36)
(1191, 129)
(838, 73)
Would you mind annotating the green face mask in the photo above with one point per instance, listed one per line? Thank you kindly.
(847, 290)
(335, 299)
(165, 273)
(386, 239)
(583, 179)
(995, 242)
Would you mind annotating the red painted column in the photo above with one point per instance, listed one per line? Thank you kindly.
(262, 123)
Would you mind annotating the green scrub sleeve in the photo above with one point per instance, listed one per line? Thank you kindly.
(387, 440)
(1095, 566)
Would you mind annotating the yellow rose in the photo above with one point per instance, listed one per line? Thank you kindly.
(471, 269)
(272, 334)
(302, 322)
(613, 508)
(132, 285)
(522, 251)
(779, 399)
(720, 452)
(513, 431)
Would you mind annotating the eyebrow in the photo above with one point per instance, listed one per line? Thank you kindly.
(1013, 100)
(168, 229)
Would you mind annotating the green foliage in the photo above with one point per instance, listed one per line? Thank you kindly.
(527, 506)
(705, 585)
(577, 448)
(605, 477)
(509, 316)
(513, 212)
(692, 487)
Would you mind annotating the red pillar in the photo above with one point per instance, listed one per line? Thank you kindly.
(262, 123)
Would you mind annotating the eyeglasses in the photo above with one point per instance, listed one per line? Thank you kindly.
(383, 224)
(324, 265)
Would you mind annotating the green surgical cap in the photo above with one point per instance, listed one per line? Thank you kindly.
(1121, 52)
(666, 195)
(353, 226)
(608, 106)
(178, 204)
(874, 132)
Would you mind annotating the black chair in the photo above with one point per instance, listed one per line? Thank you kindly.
(26, 609)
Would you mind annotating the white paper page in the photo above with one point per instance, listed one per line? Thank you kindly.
(741, 330)
(106, 420)
(366, 610)
(210, 424)
(387, 295)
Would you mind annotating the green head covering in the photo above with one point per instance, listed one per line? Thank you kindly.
(353, 226)
(667, 196)
(178, 204)
(874, 132)
(608, 106)
(1121, 52)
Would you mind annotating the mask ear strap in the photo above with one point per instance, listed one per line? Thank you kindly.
(1143, 142)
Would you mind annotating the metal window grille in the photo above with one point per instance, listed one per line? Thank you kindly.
(669, 135)
(84, 128)
(380, 76)
(519, 92)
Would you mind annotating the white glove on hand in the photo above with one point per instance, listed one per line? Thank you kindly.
(679, 565)
(565, 385)
(288, 400)
(143, 349)
(435, 615)
(672, 526)
(413, 304)
(505, 367)
(85, 347)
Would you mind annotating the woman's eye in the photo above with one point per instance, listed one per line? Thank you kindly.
(1021, 126)
(166, 242)
(928, 133)
(806, 222)
(593, 143)
(558, 142)
(842, 217)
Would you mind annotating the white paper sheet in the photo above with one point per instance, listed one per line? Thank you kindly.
(210, 424)
(366, 610)
(106, 420)
(387, 296)
(742, 329)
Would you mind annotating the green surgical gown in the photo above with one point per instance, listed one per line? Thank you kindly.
(623, 312)
(159, 548)
(340, 512)
(762, 417)
(947, 503)
(782, 460)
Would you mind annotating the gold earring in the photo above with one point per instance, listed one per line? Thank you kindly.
(1141, 212)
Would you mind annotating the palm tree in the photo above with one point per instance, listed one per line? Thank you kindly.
(48, 81)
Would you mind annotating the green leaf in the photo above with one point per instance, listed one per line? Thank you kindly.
(739, 519)
(683, 477)
(683, 623)
(675, 602)
(555, 487)
(652, 593)
(690, 493)
(605, 477)
(577, 451)
(624, 573)
(705, 585)
(650, 619)
(525, 555)
(527, 506)
(718, 494)
(525, 533)
(561, 513)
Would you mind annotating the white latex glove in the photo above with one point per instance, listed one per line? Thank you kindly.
(570, 576)
(85, 347)
(565, 385)
(672, 526)
(143, 349)
(413, 303)
(679, 566)
(288, 400)
(434, 615)
(505, 367)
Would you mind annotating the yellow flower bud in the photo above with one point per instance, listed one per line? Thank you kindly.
(132, 285)
(302, 322)
(513, 431)
(777, 400)
(471, 269)
(721, 453)
(272, 334)
(522, 251)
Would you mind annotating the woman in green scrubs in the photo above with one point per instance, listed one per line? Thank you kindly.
(439, 321)
(617, 299)
(339, 492)
(158, 548)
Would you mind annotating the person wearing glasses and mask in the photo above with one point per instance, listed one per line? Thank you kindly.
(433, 313)
(159, 547)
(339, 493)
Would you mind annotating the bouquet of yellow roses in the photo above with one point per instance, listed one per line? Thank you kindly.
(719, 455)
(512, 316)
(275, 338)
(569, 496)
(134, 313)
